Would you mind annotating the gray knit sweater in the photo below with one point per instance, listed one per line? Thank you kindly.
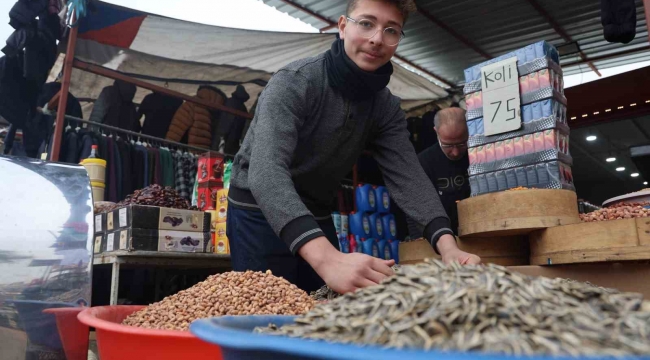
(305, 137)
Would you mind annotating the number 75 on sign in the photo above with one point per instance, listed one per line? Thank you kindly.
(501, 101)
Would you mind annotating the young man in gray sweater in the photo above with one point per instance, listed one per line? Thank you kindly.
(313, 120)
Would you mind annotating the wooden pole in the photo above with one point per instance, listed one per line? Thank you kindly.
(63, 98)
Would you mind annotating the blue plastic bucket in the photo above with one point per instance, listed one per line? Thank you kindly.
(234, 335)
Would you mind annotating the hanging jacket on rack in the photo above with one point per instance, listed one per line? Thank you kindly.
(30, 53)
(158, 110)
(230, 126)
(38, 127)
(196, 120)
(619, 20)
(115, 107)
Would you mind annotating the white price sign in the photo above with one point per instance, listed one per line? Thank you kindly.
(501, 102)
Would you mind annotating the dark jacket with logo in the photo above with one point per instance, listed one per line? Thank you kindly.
(450, 180)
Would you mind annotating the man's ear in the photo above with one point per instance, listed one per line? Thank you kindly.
(435, 129)
(343, 22)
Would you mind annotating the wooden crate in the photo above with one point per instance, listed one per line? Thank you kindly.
(512, 213)
(616, 240)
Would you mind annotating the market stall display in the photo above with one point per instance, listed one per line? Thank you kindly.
(432, 306)
(618, 211)
(534, 154)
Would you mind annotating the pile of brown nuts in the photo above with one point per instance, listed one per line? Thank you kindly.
(231, 293)
(617, 212)
(155, 195)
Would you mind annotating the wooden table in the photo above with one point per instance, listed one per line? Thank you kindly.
(122, 258)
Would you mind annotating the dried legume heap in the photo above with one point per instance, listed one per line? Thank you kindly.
(481, 308)
(231, 293)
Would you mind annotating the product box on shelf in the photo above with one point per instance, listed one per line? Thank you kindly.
(208, 196)
(222, 245)
(210, 168)
(153, 217)
(134, 239)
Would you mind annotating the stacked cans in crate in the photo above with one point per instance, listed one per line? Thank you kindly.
(372, 229)
(537, 154)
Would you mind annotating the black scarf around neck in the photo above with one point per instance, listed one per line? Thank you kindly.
(353, 82)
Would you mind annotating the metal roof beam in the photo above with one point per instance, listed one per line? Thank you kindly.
(333, 24)
(609, 56)
(453, 33)
(558, 29)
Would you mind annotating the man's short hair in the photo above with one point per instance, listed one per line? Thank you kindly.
(404, 6)
(449, 116)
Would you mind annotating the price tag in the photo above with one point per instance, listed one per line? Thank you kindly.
(98, 223)
(110, 245)
(501, 101)
(122, 219)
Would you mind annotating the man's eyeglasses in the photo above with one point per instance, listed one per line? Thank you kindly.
(461, 146)
(367, 29)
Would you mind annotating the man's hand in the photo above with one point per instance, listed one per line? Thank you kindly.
(344, 272)
(450, 252)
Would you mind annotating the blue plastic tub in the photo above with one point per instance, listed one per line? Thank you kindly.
(234, 335)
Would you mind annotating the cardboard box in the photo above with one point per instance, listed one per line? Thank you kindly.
(210, 168)
(221, 245)
(208, 196)
(154, 217)
(155, 240)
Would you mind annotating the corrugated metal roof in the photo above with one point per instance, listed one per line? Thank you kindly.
(496, 27)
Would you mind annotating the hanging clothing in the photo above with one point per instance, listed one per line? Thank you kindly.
(70, 148)
(196, 120)
(140, 167)
(168, 168)
(158, 111)
(30, 53)
(181, 184)
(127, 169)
(115, 107)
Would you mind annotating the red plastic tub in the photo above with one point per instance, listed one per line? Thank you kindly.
(121, 342)
(73, 334)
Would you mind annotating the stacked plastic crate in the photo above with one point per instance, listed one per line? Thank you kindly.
(536, 155)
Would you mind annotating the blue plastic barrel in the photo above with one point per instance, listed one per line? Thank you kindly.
(383, 199)
(365, 198)
(390, 227)
(384, 249)
(370, 247)
(359, 224)
(376, 226)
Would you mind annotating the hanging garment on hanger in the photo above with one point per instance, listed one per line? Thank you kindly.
(88, 139)
(71, 153)
(140, 167)
(158, 111)
(115, 107)
(179, 175)
(167, 167)
(127, 168)
(111, 185)
(152, 166)
(119, 179)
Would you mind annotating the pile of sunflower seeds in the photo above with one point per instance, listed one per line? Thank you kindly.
(481, 308)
